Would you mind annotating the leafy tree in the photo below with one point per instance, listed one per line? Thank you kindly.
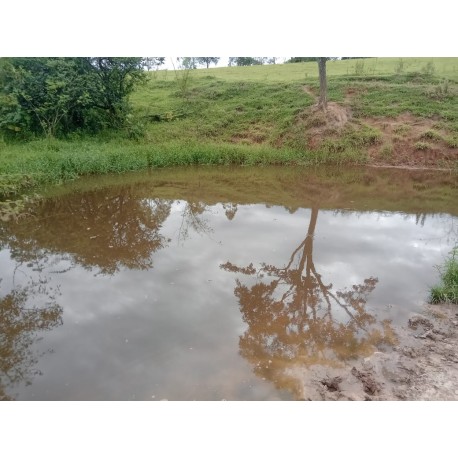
(207, 60)
(151, 63)
(55, 96)
(294, 60)
(112, 79)
(188, 63)
(39, 95)
(245, 61)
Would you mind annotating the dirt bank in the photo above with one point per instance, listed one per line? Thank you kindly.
(405, 141)
(424, 366)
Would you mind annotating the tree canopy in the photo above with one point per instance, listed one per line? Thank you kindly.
(207, 60)
(246, 61)
(58, 95)
(294, 60)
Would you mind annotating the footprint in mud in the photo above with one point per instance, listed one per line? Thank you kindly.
(370, 385)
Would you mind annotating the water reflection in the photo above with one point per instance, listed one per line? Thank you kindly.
(295, 318)
(109, 231)
(25, 313)
(192, 220)
(209, 274)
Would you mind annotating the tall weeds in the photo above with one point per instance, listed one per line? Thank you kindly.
(447, 290)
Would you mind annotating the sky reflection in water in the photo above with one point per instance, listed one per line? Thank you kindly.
(117, 295)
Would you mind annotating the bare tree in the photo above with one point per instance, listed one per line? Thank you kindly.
(207, 60)
(323, 100)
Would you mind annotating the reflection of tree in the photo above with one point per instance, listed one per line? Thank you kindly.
(20, 326)
(230, 210)
(192, 218)
(298, 319)
(107, 230)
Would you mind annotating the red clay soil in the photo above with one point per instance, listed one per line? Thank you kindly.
(405, 141)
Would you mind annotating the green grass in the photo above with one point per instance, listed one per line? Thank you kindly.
(41, 162)
(445, 67)
(243, 115)
(447, 290)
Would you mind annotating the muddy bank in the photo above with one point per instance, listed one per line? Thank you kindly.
(423, 367)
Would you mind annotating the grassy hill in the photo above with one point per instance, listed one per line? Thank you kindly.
(383, 111)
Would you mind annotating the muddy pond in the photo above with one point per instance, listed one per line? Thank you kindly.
(214, 283)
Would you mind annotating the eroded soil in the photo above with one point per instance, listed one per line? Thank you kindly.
(423, 366)
(411, 141)
(405, 141)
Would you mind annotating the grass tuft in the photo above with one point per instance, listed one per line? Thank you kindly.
(422, 146)
(447, 290)
(431, 135)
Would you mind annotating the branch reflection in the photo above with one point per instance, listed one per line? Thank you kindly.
(21, 327)
(192, 218)
(295, 319)
(108, 231)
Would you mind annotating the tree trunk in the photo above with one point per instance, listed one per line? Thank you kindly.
(323, 100)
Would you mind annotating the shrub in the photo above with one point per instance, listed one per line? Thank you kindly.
(56, 96)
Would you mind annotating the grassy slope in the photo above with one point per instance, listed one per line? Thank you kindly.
(243, 115)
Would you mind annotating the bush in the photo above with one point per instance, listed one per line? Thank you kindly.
(56, 96)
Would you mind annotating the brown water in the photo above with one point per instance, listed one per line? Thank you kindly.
(214, 284)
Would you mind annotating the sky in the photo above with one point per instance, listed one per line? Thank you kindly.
(238, 28)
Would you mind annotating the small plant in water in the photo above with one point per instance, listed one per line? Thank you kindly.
(447, 290)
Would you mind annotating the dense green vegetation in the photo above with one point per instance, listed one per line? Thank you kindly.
(234, 115)
(56, 96)
(447, 290)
